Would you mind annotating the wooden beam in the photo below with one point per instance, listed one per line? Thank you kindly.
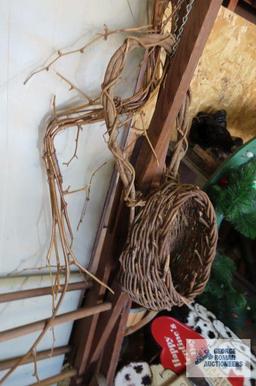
(84, 330)
(59, 319)
(173, 90)
(46, 354)
(106, 324)
(113, 347)
(106, 327)
(34, 292)
(107, 221)
(56, 378)
(232, 4)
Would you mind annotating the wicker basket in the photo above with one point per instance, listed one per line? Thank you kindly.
(170, 248)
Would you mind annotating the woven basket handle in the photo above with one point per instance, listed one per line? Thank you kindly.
(180, 149)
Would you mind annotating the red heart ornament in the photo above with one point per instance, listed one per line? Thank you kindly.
(234, 380)
(171, 335)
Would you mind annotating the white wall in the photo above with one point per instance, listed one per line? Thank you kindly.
(31, 31)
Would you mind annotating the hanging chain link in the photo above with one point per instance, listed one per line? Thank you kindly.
(178, 33)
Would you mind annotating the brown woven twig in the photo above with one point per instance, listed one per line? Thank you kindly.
(172, 241)
(180, 149)
(170, 249)
(112, 106)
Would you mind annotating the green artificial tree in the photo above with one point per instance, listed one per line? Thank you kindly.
(234, 197)
(220, 296)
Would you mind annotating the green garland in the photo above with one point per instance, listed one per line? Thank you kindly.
(235, 198)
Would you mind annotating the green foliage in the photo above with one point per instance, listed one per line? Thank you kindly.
(245, 224)
(237, 200)
(223, 269)
(222, 298)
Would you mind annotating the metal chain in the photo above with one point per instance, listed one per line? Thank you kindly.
(175, 16)
(178, 33)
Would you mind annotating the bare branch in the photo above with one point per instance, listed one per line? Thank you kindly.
(53, 104)
(88, 194)
(73, 87)
(79, 127)
(35, 374)
(103, 35)
(145, 133)
(68, 191)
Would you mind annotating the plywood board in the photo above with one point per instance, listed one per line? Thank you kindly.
(225, 77)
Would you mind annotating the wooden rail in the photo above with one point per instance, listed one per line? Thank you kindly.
(56, 378)
(34, 292)
(40, 355)
(59, 319)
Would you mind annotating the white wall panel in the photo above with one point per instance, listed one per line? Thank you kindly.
(31, 31)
